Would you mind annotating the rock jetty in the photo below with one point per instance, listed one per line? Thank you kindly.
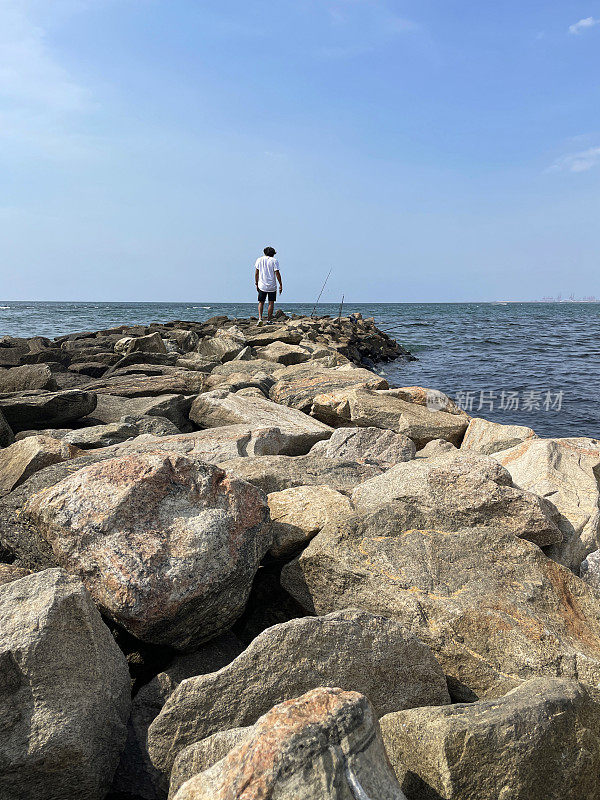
(236, 563)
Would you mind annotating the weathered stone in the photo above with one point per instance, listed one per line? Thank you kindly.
(6, 435)
(10, 573)
(215, 445)
(262, 337)
(325, 745)
(155, 426)
(450, 493)
(218, 408)
(350, 649)
(197, 362)
(26, 378)
(152, 343)
(433, 399)
(566, 472)
(252, 367)
(136, 774)
(275, 473)
(39, 409)
(167, 545)
(173, 407)
(590, 570)
(493, 608)
(121, 345)
(297, 386)
(18, 537)
(541, 741)
(284, 353)
(241, 380)
(491, 437)
(65, 692)
(92, 369)
(88, 438)
(436, 448)
(222, 348)
(132, 359)
(203, 754)
(369, 445)
(185, 340)
(380, 409)
(298, 514)
(23, 458)
(138, 385)
(250, 391)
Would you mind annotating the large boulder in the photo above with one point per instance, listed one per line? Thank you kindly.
(6, 435)
(155, 426)
(250, 367)
(136, 775)
(40, 409)
(367, 408)
(180, 381)
(351, 649)
(167, 545)
(19, 538)
(454, 492)
(201, 755)
(566, 471)
(299, 513)
(432, 398)
(89, 438)
(152, 343)
(217, 408)
(493, 608)
(541, 741)
(174, 407)
(222, 348)
(275, 473)
(368, 445)
(262, 337)
(19, 461)
(241, 380)
(297, 386)
(218, 444)
(285, 354)
(65, 692)
(26, 378)
(325, 745)
(488, 437)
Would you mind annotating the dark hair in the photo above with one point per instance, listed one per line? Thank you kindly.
(269, 251)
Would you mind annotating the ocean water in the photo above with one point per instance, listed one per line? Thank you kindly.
(535, 364)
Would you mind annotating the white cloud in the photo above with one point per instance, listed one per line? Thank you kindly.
(581, 161)
(583, 24)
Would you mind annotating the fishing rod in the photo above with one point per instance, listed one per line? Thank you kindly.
(321, 292)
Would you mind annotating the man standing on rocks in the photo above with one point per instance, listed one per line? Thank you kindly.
(266, 270)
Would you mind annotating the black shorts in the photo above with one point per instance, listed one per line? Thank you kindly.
(262, 296)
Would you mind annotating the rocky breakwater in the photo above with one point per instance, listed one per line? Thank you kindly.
(235, 562)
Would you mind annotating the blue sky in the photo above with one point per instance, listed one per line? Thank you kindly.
(426, 151)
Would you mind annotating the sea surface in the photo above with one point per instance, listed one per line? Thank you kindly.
(535, 364)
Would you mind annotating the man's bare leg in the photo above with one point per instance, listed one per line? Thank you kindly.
(270, 310)
(261, 306)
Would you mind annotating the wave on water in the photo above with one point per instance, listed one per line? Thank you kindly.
(4, 306)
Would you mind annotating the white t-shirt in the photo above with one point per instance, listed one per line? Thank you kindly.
(266, 267)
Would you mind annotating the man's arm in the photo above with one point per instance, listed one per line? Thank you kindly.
(256, 277)
(278, 276)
